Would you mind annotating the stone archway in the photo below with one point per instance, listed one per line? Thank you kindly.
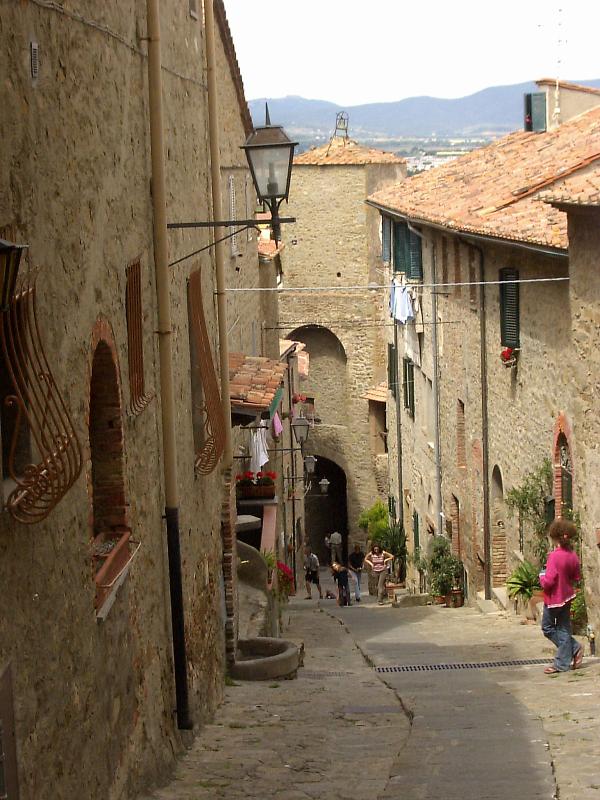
(325, 513)
(499, 544)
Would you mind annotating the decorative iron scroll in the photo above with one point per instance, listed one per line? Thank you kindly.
(41, 410)
(211, 449)
(135, 339)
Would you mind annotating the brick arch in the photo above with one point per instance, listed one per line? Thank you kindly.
(106, 478)
(563, 435)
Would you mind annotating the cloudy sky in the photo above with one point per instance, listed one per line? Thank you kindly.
(356, 51)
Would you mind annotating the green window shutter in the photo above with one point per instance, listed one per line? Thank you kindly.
(509, 308)
(386, 239)
(415, 264)
(408, 374)
(416, 541)
(401, 247)
(535, 112)
(392, 506)
(392, 369)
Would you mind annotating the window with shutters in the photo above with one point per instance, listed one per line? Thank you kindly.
(407, 255)
(509, 308)
(9, 789)
(386, 239)
(457, 271)
(234, 242)
(392, 369)
(416, 540)
(408, 374)
(445, 262)
(461, 446)
(535, 112)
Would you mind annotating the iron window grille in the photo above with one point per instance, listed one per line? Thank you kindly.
(39, 411)
(209, 425)
(135, 339)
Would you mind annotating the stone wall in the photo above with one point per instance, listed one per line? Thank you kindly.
(523, 403)
(94, 700)
(331, 245)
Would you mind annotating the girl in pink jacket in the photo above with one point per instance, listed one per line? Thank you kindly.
(558, 582)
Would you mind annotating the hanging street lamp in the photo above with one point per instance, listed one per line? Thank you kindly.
(301, 428)
(270, 154)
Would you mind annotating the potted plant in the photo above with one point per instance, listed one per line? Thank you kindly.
(446, 573)
(265, 484)
(260, 485)
(524, 585)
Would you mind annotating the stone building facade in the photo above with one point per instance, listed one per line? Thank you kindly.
(331, 245)
(482, 418)
(92, 684)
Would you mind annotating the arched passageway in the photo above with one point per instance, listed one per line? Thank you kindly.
(326, 513)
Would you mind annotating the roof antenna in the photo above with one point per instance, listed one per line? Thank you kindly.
(341, 129)
(559, 43)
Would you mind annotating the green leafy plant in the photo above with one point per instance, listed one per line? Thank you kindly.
(529, 501)
(269, 557)
(374, 520)
(523, 582)
(579, 616)
(444, 568)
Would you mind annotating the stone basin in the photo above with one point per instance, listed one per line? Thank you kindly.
(265, 658)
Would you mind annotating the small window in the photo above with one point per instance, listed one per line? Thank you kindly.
(392, 369)
(416, 540)
(535, 112)
(378, 427)
(509, 308)
(386, 239)
(409, 386)
(9, 789)
(457, 271)
(461, 448)
(234, 237)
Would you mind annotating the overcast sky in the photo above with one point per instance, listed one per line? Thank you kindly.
(355, 51)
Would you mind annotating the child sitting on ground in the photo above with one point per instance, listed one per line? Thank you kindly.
(341, 576)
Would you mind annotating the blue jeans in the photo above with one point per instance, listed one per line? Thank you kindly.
(556, 626)
(356, 575)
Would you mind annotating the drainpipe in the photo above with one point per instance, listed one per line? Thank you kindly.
(436, 397)
(487, 542)
(167, 394)
(400, 509)
(291, 388)
(215, 178)
(437, 450)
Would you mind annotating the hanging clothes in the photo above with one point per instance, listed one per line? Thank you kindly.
(258, 449)
(277, 426)
(403, 309)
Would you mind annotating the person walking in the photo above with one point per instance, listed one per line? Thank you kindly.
(355, 566)
(558, 580)
(378, 561)
(335, 542)
(311, 572)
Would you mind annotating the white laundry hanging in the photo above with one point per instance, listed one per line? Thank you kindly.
(258, 449)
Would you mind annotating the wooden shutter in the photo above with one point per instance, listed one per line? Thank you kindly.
(415, 261)
(401, 247)
(409, 386)
(386, 239)
(392, 369)
(416, 540)
(509, 308)
(8, 753)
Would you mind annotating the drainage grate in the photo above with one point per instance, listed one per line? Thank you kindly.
(518, 662)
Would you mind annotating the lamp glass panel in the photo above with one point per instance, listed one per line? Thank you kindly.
(271, 168)
(300, 426)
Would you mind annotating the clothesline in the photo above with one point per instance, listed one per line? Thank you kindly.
(388, 286)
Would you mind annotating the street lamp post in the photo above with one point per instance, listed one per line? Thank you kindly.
(270, 153)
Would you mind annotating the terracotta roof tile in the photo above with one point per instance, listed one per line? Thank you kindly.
(492, 191)
(253, 381)
(342, 151)
(580, 189)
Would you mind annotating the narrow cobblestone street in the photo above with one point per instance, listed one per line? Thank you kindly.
(343, 729)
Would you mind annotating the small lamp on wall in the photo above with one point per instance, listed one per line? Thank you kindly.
(301, 428)
(310, 463)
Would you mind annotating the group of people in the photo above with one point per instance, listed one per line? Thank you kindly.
(377, 560)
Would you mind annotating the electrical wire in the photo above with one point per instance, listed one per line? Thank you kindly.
(388, 286)
(208, 246)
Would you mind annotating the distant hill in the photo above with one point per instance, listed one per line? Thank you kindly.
(490, 112)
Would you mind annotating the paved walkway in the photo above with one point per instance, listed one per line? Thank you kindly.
(339, 731)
